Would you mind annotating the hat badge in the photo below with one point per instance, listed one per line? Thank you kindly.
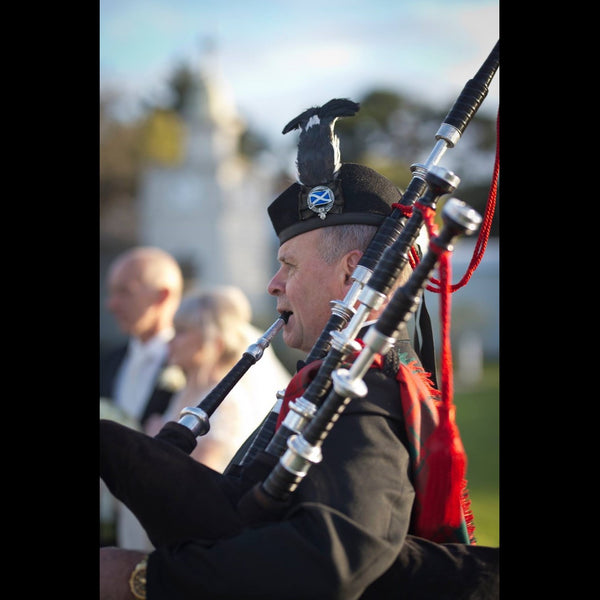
(320, 200)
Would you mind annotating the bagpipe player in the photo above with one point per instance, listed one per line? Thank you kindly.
(348, 532)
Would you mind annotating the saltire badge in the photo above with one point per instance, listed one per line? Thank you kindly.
(320, 200)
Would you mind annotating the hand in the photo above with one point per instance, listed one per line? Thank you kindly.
(116, 565)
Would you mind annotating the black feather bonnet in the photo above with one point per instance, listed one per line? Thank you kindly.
(329, 192)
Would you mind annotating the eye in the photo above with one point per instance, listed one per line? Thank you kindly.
(284, 263)
(289, 267)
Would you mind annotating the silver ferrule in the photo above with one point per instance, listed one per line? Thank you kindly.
(195, 419)
(299, 456)
(449, 133)
(343, 342)
(354, 291)
(340, 308)
(451, 179)
(462, 213)
(347, 386)
(419, 170)
(300, 413)
(377, 341)
(257, 349)
(361, 276)
(356, 323)
(371, 298)
(345, 308)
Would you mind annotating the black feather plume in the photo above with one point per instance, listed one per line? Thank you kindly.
(318, 158)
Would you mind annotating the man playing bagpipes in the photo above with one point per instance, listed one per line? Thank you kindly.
(358, 524)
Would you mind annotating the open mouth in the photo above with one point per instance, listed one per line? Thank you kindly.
(285, 315)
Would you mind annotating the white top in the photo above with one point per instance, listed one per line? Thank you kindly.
(138, 371)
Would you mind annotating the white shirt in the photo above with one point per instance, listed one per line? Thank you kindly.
(138, 372)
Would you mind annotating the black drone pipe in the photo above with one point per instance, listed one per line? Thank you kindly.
(447, 136)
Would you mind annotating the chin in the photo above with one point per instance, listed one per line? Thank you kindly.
(290, 340)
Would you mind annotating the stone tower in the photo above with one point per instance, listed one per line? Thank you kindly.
(202, 201)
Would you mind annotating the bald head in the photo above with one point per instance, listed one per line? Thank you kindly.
(145, 286)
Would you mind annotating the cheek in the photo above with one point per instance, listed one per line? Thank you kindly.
(312, 298)
(142, 306)
(195, 349)
(183, 346)
(137, 313)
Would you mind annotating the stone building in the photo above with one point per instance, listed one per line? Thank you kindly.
(202, 201)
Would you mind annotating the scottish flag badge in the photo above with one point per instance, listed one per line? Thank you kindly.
(320, 200)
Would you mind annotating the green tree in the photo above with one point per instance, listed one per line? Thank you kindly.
(120, 155)
(391, 132)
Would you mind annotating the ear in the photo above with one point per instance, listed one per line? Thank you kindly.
(350, 262)
(162, 295)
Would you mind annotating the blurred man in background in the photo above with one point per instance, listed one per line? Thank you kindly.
(145, 287)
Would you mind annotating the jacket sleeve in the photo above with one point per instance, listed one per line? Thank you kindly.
(345, 528)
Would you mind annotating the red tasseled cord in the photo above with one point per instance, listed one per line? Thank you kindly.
(449, 478)
(486, 224)
(446, 409)
(445, 271)
(446, 498)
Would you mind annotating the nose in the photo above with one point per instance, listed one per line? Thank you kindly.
(276, 285)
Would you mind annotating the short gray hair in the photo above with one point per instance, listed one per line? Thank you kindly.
(341, 239)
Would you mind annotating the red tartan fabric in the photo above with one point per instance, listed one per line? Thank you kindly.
(441, 512)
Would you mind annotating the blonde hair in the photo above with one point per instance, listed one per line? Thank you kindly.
(222, 312)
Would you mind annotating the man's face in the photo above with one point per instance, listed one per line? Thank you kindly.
(304, 285)
(130, 300)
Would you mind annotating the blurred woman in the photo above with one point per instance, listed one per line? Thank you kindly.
(212, 331)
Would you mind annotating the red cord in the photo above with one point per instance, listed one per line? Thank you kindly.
(445, 270)
(444, 287)
(486, 225)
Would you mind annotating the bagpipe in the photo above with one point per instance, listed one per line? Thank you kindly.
(163, 486)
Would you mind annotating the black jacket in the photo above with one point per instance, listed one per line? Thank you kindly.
(344, 534)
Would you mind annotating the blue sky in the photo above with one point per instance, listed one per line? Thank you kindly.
(279, 57)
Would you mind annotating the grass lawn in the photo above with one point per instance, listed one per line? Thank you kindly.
(478, 418)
